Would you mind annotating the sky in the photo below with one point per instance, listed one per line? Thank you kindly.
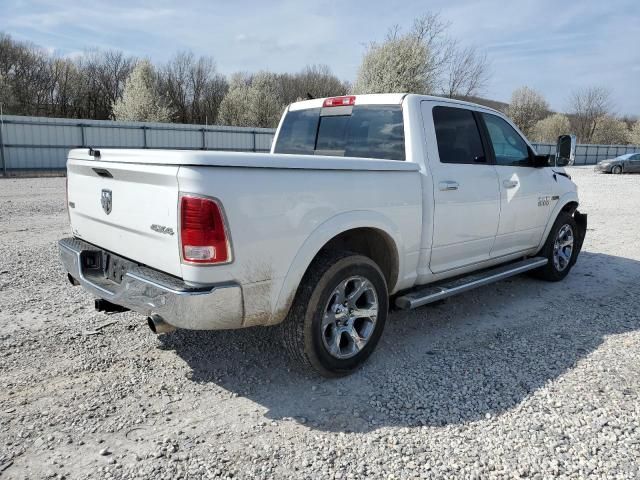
(554, 47)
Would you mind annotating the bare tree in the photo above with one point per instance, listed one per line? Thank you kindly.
(527, 107)
(313, 81)
(466, 73)
(589, 106)
(611, 131)
(550, 128)
(193, 86)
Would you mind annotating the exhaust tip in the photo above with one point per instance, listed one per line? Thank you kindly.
(157, 325)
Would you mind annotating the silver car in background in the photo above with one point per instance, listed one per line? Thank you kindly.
(627, 163)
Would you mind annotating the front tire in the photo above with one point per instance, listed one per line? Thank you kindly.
(616, 169)
(338, 314)
(561, 249)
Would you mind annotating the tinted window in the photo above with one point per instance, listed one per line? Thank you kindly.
(298, 132)
(457, 135)
(508, 145)
(370, 131)
(332, 135)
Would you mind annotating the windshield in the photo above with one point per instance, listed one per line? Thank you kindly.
(367, 131)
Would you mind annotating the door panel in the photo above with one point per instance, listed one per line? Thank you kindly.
(524, 208)
(525, 191)
(465, 188)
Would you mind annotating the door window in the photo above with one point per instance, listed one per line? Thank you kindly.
(458, 136)
(508, 146)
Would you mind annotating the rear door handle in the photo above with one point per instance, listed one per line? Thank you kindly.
(448, 185)
(510, 183)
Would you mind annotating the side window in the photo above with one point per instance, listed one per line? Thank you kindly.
(458, 136)
(636, 157)
(508, 145)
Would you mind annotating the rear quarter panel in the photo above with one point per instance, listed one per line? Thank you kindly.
(280, 218)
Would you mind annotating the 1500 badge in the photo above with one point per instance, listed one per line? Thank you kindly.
(544, 201)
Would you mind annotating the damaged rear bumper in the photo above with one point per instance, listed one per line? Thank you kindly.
(150, 292)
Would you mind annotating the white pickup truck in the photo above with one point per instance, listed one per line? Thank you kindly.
(363, 200)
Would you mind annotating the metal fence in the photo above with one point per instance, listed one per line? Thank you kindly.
(589, 154)
(36, 144)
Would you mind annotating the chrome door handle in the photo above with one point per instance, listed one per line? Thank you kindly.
(448, 185)
(510, 183)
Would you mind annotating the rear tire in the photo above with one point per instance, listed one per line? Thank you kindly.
(561, 249)
(616, 170)
(338, 314)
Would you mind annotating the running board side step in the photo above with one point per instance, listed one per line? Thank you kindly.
(433, 293)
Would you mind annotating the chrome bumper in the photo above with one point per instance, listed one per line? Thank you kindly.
(148, 291)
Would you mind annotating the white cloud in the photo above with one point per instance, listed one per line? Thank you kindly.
(549, 46)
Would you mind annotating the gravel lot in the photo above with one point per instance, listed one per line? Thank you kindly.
(519, 379)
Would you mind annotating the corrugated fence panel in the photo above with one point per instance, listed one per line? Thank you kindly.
(113, 137)
(174, 138)
(35, 143)
(590, 154)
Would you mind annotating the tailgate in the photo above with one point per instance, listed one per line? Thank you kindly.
(127, 208)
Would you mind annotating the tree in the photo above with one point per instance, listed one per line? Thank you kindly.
(6, 97)
(194, 88)
(527, 107)
(400, 64)
(315, 81)
(550, 128)
(589, 106)
(611, 131)
(634, 136)
(140, 99)
(252, 101)
(423, 60)
(466, 73)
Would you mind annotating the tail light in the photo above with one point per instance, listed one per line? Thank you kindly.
(203, 231)
(340, 101)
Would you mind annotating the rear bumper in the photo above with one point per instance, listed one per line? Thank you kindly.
(148, 291)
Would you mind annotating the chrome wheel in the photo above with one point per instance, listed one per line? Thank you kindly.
(563, 248)
(350, 317)
(617, 170)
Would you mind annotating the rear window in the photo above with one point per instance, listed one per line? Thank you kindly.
(369, 131)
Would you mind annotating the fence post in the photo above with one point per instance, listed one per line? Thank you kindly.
(3, 155)
(253, 149)
(82, 136)
(144, 136)
(204, 139)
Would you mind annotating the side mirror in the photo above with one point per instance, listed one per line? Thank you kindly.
(565, 150)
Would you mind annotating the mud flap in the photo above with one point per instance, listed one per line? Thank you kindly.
(581, 221)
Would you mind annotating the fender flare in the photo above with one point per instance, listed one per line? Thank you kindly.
(322, 234)
(563, 201)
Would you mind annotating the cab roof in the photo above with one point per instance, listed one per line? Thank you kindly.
(384, 99)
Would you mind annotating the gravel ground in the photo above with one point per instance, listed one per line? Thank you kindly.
(518, 379)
